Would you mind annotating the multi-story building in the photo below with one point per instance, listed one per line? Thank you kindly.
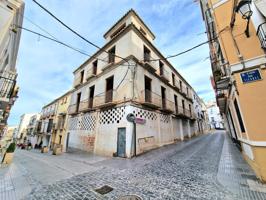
(11, 12)
(60, 128)
(129, 78)
(32, 129)
(21, 134)
(237, 34)
(215, 118)
(200, 112)
(52, 126)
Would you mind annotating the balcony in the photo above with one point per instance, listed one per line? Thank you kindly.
(164, 75)
(86, 105)
(167, 106)
(73, 109)
(150, 99)
(261, 33)
(77, 81)
(184, 113)
(7, 85)
(90, 74)
(221, 98)
(176, 85)
(105, 100)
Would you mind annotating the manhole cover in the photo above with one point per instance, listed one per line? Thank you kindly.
(130, 197)
(104, 189)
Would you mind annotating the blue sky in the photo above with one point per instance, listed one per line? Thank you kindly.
(45, 68)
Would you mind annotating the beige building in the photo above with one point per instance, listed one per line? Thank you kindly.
(52, 126)
(11, 12)
(129, 78)
(237, 33)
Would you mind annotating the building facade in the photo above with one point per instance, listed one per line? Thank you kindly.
(31, 129)
(52, 126)
(215, 118)
(21, 134)
(129, 78)
(11, 12)
(237, 33)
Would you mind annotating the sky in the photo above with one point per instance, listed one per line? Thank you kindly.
(45, 69)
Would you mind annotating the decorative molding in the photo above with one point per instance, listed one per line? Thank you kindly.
(254, 143)
(221, 2)
(249, 63)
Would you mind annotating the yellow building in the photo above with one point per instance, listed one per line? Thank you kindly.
(237, 33)
(59, 132)
(53, 123)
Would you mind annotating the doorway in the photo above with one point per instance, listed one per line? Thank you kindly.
(109, 89)
(121, 142)
(91, 96)
(147, 85)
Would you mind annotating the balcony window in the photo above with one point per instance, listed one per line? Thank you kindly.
(163, 97)
(109, 89)
(180, 84)
(111, 55)
(50, 125)
(147, 89)
(94, 67)
(147, 54)
(173, 79)
(81, 76)
(261, 33)
(92, 88)
(161, 68)
(78, 101)
(176, 104)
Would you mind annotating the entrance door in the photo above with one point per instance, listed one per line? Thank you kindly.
(67, 141)
(121, 142)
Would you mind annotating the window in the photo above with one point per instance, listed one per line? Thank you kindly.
(147, 86)
(94, 67)
(91, 96)
(173, 79)
(161, 68)
(109, 89)
(187, 90)
(241, 124)
(142, 31)
(6, 61)
(163, 97)
(81, 76)
(190, 111)
(118, 30)
(180, 84)
(176, 104)
(78, 101)
(147, 54)
(111, 55)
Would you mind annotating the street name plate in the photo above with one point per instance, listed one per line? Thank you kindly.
(140, 121)
(250, 76)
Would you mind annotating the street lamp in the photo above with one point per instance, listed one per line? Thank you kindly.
(244, 8)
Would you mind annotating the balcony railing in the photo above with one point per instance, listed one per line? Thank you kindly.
(261, 33)
(180, 111)
(164, 75)
(7, 84)
(77, 80)
(91, 73)
(99, 101)
(150, 99)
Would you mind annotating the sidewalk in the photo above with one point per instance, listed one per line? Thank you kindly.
(236, 176)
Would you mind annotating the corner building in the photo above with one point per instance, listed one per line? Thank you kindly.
(237, 54)
(129, 76)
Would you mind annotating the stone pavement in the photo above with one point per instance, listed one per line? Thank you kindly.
(205, 167)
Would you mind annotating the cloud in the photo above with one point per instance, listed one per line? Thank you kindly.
(45, 68)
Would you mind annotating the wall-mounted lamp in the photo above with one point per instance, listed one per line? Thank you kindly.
(244, 8)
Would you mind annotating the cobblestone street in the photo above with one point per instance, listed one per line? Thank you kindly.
(205, 167)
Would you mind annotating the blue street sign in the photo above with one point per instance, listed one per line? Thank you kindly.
(250, 76)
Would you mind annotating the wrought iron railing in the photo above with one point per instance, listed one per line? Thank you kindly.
(261, 33)
(7, 85)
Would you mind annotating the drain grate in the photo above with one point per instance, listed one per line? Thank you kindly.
(130, 197)
(104, 189)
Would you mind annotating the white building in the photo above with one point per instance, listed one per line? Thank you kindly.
(11, 12)
(22, 128)
(138, 81)
(31, 129)
(215, 118)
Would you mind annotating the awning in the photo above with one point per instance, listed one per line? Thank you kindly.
(261, 6)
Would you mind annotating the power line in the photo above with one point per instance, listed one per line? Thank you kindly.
(73, 31)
